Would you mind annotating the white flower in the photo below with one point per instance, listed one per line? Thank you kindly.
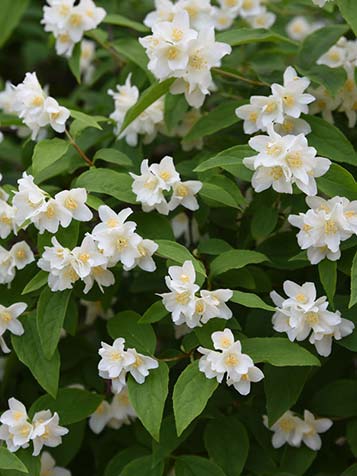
(288, 429)
(87, 256)
(100, 275)
(7, 219)
(164, 11)
(200, 12)
(229, 360)
(183, 226)
(223, 18)
(213, 304)
(184, 194)
(28, 200)
(9, 321)
(320, 3)
(140, 366)
(165, 171)
(92, 14)
(74, 201)
(334, 57)
(101, 417)
(146, 249)
(49, 468)
(250, 8)
(8, 98)
(263, 19)
(299, 28)
(16, 415)
(57, 115)
(311, 438)
(51, 215)
(122, 411)
(86, 67)
(46, 431)
(114, 359)
(293, 126)
(21, 255)
(294, 100)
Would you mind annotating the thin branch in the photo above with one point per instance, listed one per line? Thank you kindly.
(228, 74)
(78, 149)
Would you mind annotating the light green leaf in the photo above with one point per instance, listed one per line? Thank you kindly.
(348, 8)
(108, 182)
(316, 44)
(132, 50)
(140, 336)
(338, 181)
(330, 142)
(191, 394)
(283, 387)
(353, 298)
(83, 121)
(37, 282)
(72, 404)
(51, 312)
(179, 254)
(328, 278)
(155, 313)
(250, 300)
(219, 118)
(119, 20)
(235, 259)
(244, 36)
(278, 351)
(11, 461)
(31, 463)
(11, 13)
(333, 79)
(148, 97)
(113, 156)
(227, 444)
(175, 110)
(148, 399)
(46, 153)
(217, 196)
(196, 466)
(74, 62)
(29, 351)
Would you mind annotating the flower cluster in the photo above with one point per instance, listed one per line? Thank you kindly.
(343, 54)
(147, 123)
(283, 161)
(31, 204)
(37, 110)
(17, 430)
(294, 430)
(112, 241)
(156, 180)
(49, 468)
(69, 22)
(324, 226)
(9, 321)
(18, 257)
(229, 359)
(299, 28)
(302, 315)
(283, 107)
(185, 306)
(116, 363)
(114, 415)
(177, 49)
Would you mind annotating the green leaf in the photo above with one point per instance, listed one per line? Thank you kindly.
(83, 121)
(227, 444)
(332, 79)
(196, 466)
(191, 394)
(29, 351)
(51, 312)
(336, 399)
(264, 222)
(351, 471)
(297, 460)
(11, 13)
(316, 44)
(328, 278)
(143, 467)
(330, 142)
(213, 246)
(113, 156)
(353, 298)
(108, 182)
(235, 259)
(119, 20)
(155, 313)
(279, 352)
(72, 404)
(36, 283)
(123, 458)
(46, 153)
(337, 181)
(219, 118)
(71, 444)
(10, 461)
(31, 463)
(348, 8)
(352, 435)
(250, 300)
(74, 62)
(148, 399)
(216, 195)
(244, 36)
(175, 110)
(283, 387)
(140, 336)
(148, 97)
(132, 50)
(179, 254)
(153, 226)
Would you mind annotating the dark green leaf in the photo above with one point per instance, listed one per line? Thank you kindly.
(235, 259)
(337, 181)
(11, 13)
(328, 278)
(250, 300)
(244, 36)
(37, 282)
(113, 156)
(196, 466)
(155, 313)
(336, 399)
(353, 298)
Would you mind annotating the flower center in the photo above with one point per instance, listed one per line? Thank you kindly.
(115, 356)
(75, 20)
(197, 61)
(312, 318)
(172, 53)
(276, 172)
(200, 307)
(287, 425)
(231, 360)
(71, 204)
(112, 222)
(21, 254)
(37, 101)
(5, 220)
(301, 298)
(294, 160)
(181, 191)
(289, 100)
(84, 257)
(121, 243)
(6, 316)
(50, 212)
(331, 227)
(274, 149)
(183, 298)
(177, 34)
(271, 107)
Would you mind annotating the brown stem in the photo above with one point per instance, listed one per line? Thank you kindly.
(78, 149)
(228, 74)
(174, 359)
